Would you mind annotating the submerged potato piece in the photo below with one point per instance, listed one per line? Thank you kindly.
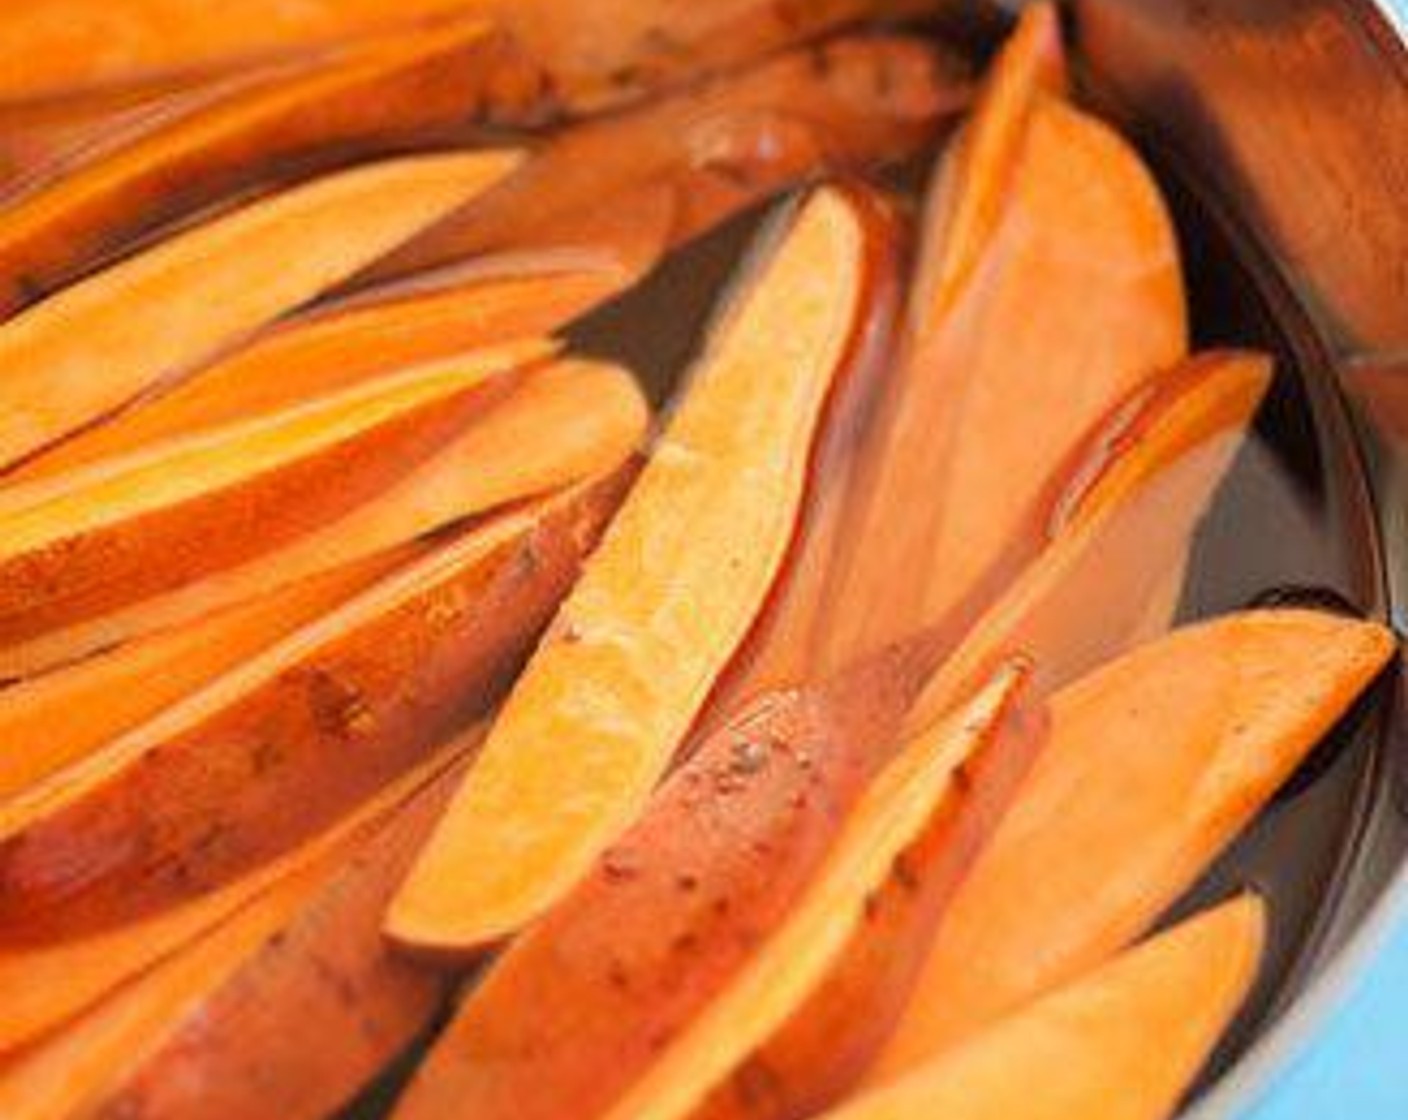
(388, 96)
(563, 423)
(571, 1013)
(334, 349)
(102, 342)
(46, 979)
(1048, 288)
(236, 1025)
(1120, 526)
(248, 766)
(1123, 1042)
(87, 541)
(560, 57)
(1154, 763)
(641, 641)
(795, 957)
(712, 151)
(56, 718)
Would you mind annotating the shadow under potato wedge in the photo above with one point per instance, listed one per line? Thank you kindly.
(1122, 1042)
(102, 342)
(248, 766)
(375, 100)
(1153, 764)
(100, 537)
(565, 422)
(649, 628)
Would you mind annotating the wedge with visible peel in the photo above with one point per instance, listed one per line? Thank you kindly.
(1119, 526)
(237, 1024)
(248, 766)
(564, 423)
(1154, 763)
(47, 979)
(569, 1016)
(651, 625)
(55, 719)
(104, 341)
(713, 150)
(1122, 1042)
(795, 958)
(105, 535)
(1048, 288)
(330, 351)
(389, 96)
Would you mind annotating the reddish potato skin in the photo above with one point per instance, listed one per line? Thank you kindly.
(586, 999)
(215, 799)
(826, 1046)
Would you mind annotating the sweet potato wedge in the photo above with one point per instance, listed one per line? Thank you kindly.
(1123, 1042)
(1154, 763)
(651, 626)
(827, 1043)
(47, 980)
(566, 422)
(236, 1024)
(329, 351)
(1018, 340)
(574, 1009)
(1119, 526)
(844, 104)
(248, 766)
(97, 538)
(577, 57)
(55, 719)
(102, 342)
(792, 960)
(385, 97)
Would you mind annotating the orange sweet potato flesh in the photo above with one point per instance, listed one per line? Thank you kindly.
(390, 96)
(650, 627)
(102, 342)
(239, 1022)
(847, 103)
(564, 423)
(55, 719)
(1123, 1042)
(247, 767)
(575, 1009)
(48, 979)
(333, 350)
(1119, 526)
(1048, 287)
(1154, 763)
(97, 538)
(571, 58)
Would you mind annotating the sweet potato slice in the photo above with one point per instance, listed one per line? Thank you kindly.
(236, 1023)
(1048, 288)
(246, 767)
(53, 720)
(100, 537)
(331, 351)
(1123, 1042)
(388, 96)
(794, 958)
(100, 343)
(578, 57)
(572, 1012)
(46, 979)
(1120, 526)
(565, 423)
(844, 104)
(1154, 763)
(651, 626)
